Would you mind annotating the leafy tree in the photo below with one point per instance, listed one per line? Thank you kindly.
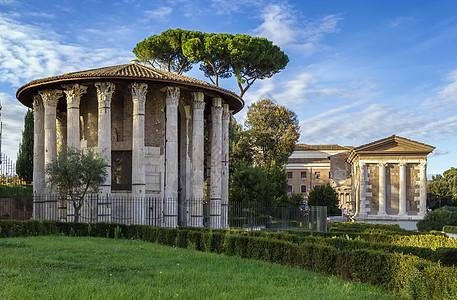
(221, 55)
(442, 190)
(214, 51)
(165, 50)
(24, 163)
(75, 172)
(255, 58)
(295, 199)
(249, 185)
(277, 179)
(325, 195)
(262, 185)
(273, 131)
(240, 146)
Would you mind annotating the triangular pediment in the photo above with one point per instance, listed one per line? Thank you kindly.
(394, 144)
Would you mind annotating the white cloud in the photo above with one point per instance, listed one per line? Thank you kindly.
(438, 152)
(445, 96)
(12, 118)
(222, 7)
(161, 13)
(397, 22)
(27, 52)
(282, 25)
(41, 15)
(363, 122)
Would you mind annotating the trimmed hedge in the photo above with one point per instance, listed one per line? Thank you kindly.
(450, 229)
(413, 277)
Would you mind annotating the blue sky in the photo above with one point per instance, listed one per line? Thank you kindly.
(359, 70)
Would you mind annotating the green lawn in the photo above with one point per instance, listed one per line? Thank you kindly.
(59, 267)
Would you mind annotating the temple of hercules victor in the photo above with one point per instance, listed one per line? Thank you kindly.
(152, 127)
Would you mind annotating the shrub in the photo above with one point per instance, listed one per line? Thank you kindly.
(450, 229)
(15, 191)
(353, 259)
(438, 218)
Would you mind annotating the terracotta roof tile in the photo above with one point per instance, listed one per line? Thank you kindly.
(302, 147)
(308, 160)
(129, 71)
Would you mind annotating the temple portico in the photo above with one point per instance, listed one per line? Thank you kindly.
(389, 181)
(149, 128)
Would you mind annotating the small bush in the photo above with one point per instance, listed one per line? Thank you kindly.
(450, 229)
(439, 218)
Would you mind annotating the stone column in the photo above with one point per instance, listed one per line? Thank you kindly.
(62, 134)
(50, 101)
(62, 139)
(402, 191)
(382, 190)
(226, 116)
(138, 91)
(38, 156)
(423, 189)
(73, 93)
(196, 187)
(170, 210)
(105, 92)
(363, 205)
(216, 164)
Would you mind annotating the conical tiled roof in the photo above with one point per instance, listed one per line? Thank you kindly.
(133, 71)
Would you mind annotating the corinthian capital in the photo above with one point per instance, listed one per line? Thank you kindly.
(105, 91)
(139, 90)
(226, 114)
(74, 93)
(216, 111)
(37, 103)
(50, 97)
(172, 95)
(197, 100)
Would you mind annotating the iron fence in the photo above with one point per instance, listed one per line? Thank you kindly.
(162, 212)
(282, 216)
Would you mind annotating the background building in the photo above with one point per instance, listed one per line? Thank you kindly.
(310, 166)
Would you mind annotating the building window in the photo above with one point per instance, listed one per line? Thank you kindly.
(289, 175)
(330, 175)
(290, 189)
(303, 175)
(303, 188)
(317, 175)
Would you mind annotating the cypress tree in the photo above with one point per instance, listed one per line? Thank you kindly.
(24, 163)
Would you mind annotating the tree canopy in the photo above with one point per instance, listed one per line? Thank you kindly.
(75, 172)
(164, 51)
(221, 55)
(255, 58)
(255, 184)
(273, 132)
(24, 162)
(442, 189)
(325, 195)
(214, 52)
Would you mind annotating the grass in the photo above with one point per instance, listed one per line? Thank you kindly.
(61, 267)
